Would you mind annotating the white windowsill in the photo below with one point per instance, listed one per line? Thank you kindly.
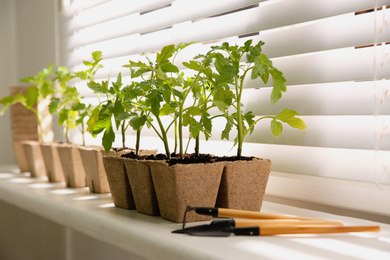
(353, 198)
(151, 237)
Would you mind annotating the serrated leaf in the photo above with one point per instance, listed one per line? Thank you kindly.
(260, 70)
(87, 63)
(97, 56)
(78, 106)
(248, 117)
(133, 64)
(93, 119)
(103, 87)
(108, 138)
(137, 122)
(153, 101)
(82, 75)
(195, 128)
(169, 67)
(32, 95)
(63, 117)
(102, 123)
(279, 85)
(288, 116)
(194, 111)
(194, 65)
(167, 95)
(276, 128)
(165, 53)
(177, 94)
(188, 119)
(124, 116)
(8, 100)
(53, 106)
(167, 109)
(226, 131)
(96, 87)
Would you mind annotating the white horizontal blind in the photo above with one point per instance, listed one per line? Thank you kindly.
(334, 55)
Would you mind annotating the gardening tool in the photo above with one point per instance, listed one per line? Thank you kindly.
(269, 228)
(235, 213)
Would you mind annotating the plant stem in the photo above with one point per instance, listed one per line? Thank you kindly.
(240, 128)
(164, 137)
(239, 119)
(66, 134)
(181, 131)
(197, 146)
(123, 135)
(137, 142)
(83, 133)
(175, 150)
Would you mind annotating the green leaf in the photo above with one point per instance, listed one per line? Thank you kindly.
(207, 124)
(32, 95)
(248, 117)
(279, 85)
(53, 106)
(153, 100)
(8, 100)
(169, 67)
(276, 128)
(124, 116)
(104, 87)
(260, 70)
(137, 122)
(195, 128)
(226, 131)
(288, 116)
(138, 64)
(177, 94)
(108, 138)
(93, 119)
(194, 65)
(82, 75)
(187, 119)
(167, 95)
(97, 56)
(166, 53)
(167, 109)
(78, 106)
(194, 111)
(102, 123)
(96, 87)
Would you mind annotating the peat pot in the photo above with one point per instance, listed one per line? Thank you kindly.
(92, 158)
(182, 185)
(72, 165)
(243, 184)
(118, 181)
(34, 158)
(52, 162)
(142, 188)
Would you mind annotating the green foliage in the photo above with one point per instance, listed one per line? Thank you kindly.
(68, 103)
(166, 92)
(232, 70)
(42, 87)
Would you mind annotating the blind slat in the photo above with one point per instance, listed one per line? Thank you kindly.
(342, 98)
(332, 53)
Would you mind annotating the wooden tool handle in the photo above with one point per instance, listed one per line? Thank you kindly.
(235, 213)
(281, 230)
(288, 222)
